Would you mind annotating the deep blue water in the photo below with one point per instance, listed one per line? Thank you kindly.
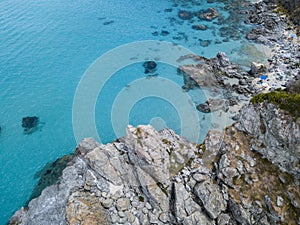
(45, 48)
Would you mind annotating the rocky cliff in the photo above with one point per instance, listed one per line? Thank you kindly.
(247, 174)
(293, 8)
(151, 177)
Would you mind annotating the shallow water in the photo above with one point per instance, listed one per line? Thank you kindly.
(45, 48)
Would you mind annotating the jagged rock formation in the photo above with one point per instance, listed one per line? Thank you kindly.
(151, 177)
(247, 174)
(208, 72)
(276, 135)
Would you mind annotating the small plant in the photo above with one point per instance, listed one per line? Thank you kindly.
(280, 10)
(284, 100)
(297, 64)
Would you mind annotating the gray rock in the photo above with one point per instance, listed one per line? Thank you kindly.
(223, 59)
(198, 218)
(122, 204)
(257, 68)
(210, 196)
(50, 206)
(86, 145)
(164, 217)
(277, 135)
(107, 203)
(279, 201)
(224, 219)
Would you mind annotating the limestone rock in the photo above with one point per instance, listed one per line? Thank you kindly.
(84, 208)
(277, 134)
(122, 204)
(209, 194)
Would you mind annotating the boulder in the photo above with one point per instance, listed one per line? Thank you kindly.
(212, 105)
(210, 196)
(204, 107)
(257, 68)
(223, 59)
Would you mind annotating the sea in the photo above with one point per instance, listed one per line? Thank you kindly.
(78, 65)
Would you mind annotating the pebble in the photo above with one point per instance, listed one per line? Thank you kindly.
(145, 211)
(107, 203)
(148, 206)
(279, 201)
(164, 217)
(134, 203)
(199, 177)
(117, 195)
(114, 218)
(130, 217)
(121, 214)
(122, 204)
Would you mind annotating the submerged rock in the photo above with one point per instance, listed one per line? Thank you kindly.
(185, 15)
(30, 123)
(150, 66)
(204, 107)
(211, 198)
(208, 14)
(205, 43)
(164, 33)
(50, 174)
(199, 27)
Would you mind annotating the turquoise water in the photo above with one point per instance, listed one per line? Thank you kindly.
(45, 48)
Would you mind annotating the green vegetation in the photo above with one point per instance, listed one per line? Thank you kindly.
(164, 189)
(297, 64)
(141, 199)
(167, 142)
(138, 132)
(280, 10)
(284, 100)
(293, 15)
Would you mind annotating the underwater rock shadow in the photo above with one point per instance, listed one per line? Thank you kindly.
(50, 174)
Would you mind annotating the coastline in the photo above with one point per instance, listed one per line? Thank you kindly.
(285, 52)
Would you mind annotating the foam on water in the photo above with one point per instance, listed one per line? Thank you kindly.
(45, 48)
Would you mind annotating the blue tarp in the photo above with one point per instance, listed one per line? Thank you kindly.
(263, 77)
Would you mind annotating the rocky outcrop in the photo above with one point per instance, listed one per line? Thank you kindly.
(276, 135)
(151, 177)
(127, 178)
(215, 74)
(247, 174)
(208, 72)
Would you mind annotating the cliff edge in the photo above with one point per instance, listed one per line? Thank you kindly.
(248, 174)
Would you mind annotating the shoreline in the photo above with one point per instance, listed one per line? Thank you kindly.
(280, 63)
(280, 45)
